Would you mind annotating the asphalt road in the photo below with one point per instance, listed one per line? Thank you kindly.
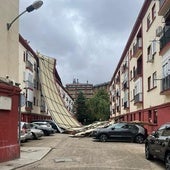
(70, 153)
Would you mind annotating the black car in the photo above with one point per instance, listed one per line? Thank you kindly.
(157, 145)
(121, 132)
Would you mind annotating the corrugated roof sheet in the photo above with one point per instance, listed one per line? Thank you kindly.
(58, 111)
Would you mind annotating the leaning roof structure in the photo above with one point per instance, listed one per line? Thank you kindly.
(63, 118)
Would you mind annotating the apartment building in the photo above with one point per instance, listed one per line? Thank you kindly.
(139, 86)
(74, 88)
(36, 92)
(34, 107)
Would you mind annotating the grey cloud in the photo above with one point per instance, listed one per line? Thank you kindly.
(86, 37)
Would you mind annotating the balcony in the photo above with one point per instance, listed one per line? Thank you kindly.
(29, 85)
(137, 73)
(124, 67)
(137, 48)
(138, 99)
(126, 105)
(165, 39)
(29, 65)
(165, 85)
(125, 85)
(164, 7)
(29, 106)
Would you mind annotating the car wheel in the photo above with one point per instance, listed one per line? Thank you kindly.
(148, 156)
(167, 161)
(103, 137)
(139, 139)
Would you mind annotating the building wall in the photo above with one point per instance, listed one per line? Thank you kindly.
(9, 142)
(9, 40)
(151, 95)
(152, 106)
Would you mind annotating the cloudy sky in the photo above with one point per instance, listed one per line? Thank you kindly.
(87, 37)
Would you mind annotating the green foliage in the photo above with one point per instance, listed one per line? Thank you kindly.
(98, 106)
(94, 109)
(81, 108)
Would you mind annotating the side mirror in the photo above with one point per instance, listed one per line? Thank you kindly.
(113, 128)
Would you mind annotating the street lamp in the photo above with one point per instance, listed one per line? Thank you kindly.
(35, 5)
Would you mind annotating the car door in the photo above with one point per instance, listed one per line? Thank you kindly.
(154, 142)
(162, 144)
(127, 132)
(115, 132)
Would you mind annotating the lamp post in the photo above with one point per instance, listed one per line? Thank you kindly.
(35, 5)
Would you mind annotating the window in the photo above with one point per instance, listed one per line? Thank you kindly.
(153, 12)
(34, 100)
(149, 83)
(140, 116)
(154, 79)
(150, 116)
(24, 58)
(131, 75)
(153, 47)
(166, 132)
(148, 21)
(134, 72)
(155, 116)
(149, 55)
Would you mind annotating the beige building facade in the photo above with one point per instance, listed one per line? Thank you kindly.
(9, 40)
(140, 85)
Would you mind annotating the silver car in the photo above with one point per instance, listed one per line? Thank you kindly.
(37, 133)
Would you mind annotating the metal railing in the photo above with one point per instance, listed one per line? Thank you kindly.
(165, 83)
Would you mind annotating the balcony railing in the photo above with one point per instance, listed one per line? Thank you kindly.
(137, 73)
(137, 48)
(165, 83)
(126, 105)
(165, 39)
(29, 85)
(138, 98)
(29, 106)
(29, 65)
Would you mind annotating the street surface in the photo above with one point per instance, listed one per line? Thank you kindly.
(70, 153)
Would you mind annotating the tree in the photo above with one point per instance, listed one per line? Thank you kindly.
(81, 108)
(98, 106)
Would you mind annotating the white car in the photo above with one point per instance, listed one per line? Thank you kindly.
(37, 133)
(25, 132)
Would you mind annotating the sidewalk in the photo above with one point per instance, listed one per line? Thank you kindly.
(28, 155)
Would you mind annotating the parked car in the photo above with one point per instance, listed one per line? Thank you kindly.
(121, 132)
(157, 145)
(25, 132)
(51, 122)
(36, 133)
(47, 129)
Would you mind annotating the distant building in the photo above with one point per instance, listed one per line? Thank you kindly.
(76, 87)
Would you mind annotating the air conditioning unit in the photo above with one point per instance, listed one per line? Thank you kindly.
(159, 31)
